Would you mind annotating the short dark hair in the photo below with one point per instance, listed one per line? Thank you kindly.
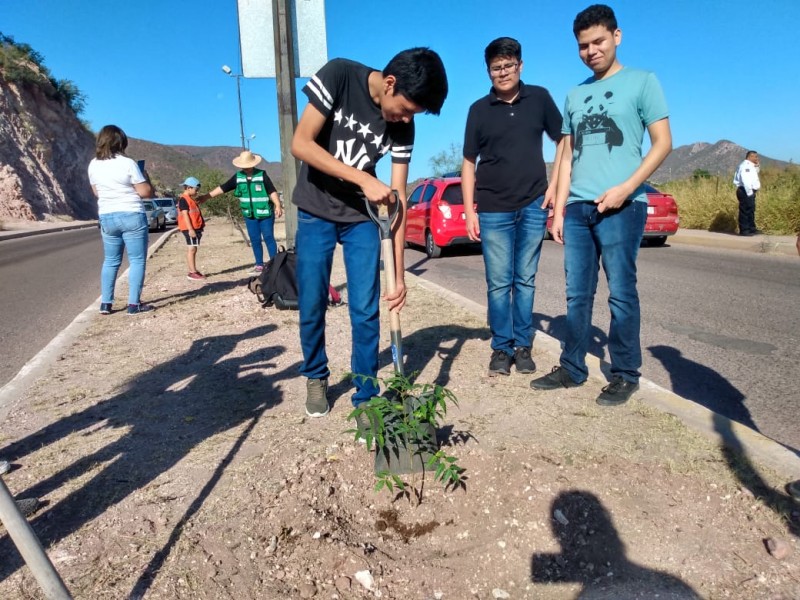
(596, 14)
(420, 77)
(110, 141)
(750, 153)
(502, 46)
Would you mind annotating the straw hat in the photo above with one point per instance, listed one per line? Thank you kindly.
(246, 160)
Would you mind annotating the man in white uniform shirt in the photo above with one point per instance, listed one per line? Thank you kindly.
(747, 184)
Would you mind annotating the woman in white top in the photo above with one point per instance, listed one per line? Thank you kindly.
(120, 186)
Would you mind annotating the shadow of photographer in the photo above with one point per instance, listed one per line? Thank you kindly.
(594, 555)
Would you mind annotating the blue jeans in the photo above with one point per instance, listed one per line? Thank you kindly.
(612, 238)
(512, 243)
(262, 228)
(123, 231)
(316, 241)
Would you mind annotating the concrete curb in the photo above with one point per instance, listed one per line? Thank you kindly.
(759, 244)
(696, 417)
(20, 233)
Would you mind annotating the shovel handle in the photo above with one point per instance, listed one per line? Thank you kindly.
(384, 223)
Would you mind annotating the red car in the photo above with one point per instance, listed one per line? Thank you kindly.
(435, 217)
(662, 217)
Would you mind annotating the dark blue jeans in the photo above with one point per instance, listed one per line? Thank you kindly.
(316, 242)
(512, 242)
(262, 228)
(613, 239)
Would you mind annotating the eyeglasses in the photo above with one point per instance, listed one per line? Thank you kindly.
(499, 69)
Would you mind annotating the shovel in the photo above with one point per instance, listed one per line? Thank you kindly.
(400, 455)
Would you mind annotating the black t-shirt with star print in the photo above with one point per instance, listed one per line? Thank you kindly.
(354, 133)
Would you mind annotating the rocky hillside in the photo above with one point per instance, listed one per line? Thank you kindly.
(720, 159)
(44, 152)
(169, 165)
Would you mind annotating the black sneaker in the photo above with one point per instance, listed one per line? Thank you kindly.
(105, 308)
(500, 364)
(523, 361)
(135, 309)
(617, 392)
(555, 379)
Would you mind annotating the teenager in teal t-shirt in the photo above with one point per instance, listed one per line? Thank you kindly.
(601, 206)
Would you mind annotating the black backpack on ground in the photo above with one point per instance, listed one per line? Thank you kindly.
(277, 284)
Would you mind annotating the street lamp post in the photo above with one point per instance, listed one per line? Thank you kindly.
(227, 70)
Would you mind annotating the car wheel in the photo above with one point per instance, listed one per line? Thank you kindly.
(431, 249)
(657, 241)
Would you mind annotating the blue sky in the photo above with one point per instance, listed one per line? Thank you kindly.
(153, 67)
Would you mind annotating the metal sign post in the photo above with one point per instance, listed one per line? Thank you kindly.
(29, 547)
(298, 31)
(287, 112)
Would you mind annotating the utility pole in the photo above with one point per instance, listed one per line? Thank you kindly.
(287, 111)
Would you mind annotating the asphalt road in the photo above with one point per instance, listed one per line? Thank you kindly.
(719, 327)
(46, 280)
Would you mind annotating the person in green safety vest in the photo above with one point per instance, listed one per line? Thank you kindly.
(259, 202)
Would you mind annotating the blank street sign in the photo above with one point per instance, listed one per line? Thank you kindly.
(257, 38)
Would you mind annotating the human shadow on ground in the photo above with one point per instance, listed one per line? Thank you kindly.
(594, 555)
(706, 387)
(703, 385)
(203, 394)
(444, 342)
(557, 327)
(210, 287)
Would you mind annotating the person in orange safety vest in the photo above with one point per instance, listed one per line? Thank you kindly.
(191, 224)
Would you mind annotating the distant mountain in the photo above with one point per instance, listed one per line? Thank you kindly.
(168, 165)
(720, 159)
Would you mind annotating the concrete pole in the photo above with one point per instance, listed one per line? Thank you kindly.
(287, 108)
(29, 547)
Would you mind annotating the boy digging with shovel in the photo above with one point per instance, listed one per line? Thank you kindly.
(355, 115)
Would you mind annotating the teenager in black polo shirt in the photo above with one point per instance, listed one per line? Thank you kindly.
(504, 136)
(355, 115)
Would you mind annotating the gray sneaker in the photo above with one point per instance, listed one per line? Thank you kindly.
(5, 467)
(27, 506)
(317, 397)
(364, 427)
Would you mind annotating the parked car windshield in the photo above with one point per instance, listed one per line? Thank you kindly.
(452, 194)
(165, 202)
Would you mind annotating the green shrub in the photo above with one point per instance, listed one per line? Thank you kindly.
(19, 63)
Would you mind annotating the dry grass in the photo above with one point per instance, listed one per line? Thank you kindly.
(710, 202)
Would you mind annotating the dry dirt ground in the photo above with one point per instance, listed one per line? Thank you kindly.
(176, 461)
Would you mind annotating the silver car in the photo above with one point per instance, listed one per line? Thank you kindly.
(170, 208)
(156, 219)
